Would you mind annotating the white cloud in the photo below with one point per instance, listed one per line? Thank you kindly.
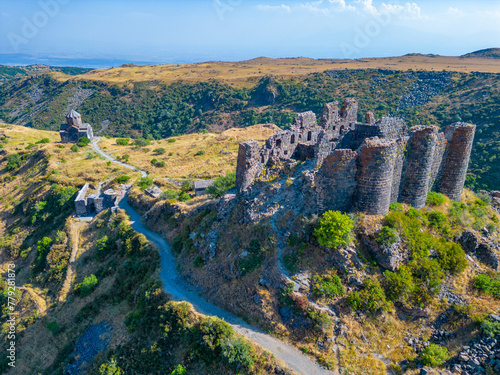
(341, 5)
(274, 8)
(408, 10)
(455, 11)
(3, 14)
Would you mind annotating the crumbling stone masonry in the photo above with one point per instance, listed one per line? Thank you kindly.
(347, 164)
(95, 203)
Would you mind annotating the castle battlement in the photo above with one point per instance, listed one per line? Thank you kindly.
(367, 165)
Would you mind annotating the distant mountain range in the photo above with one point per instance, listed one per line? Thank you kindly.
(22, 59)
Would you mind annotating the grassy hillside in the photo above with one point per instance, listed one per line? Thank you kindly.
(9, 72)
(105, 309)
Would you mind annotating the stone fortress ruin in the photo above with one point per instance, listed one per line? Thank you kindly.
(344, 164)
(92, 204)
(74, 129)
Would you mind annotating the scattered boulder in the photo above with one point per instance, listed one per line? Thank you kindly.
(153, 191)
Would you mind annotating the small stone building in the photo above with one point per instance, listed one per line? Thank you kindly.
(74, 129)
(95, 203)
(201, 186)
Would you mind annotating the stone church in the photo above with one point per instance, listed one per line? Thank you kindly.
(73, 130)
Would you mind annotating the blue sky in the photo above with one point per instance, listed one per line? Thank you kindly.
(190, 31)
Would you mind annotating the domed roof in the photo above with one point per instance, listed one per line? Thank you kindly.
(73, 114)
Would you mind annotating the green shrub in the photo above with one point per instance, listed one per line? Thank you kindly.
(437, 219)
(434, 355)
(53, 327)
(122, 141)
(435, 199)
(141, 142)
(334, 229)
(177, 244)
(14, 161)
(74, 148)
(199, 153)
(400, 284)
(396, 207)
(253, 260)
(187, 186)
(160, 151)
(110, 368)
(387, 237)
(179, 370)
(145, 183)
(83, 141)
(451, 257)
(123, 179)
(487, 285)
(428, 275)
(87, 286)
(198, 261)
(326, 286)
(126, 157)
(43, 140)
(171, 140)
(490, 327)
(221, 185)
(371, 298)
(184, 197)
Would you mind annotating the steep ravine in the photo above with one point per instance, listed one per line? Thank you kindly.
(179, 290)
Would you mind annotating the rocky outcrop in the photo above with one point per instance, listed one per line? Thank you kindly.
(482, 248)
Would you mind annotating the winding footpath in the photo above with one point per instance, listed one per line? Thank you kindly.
(176, 287)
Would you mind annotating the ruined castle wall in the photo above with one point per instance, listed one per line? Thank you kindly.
(336, 181)
(401, 144)
(327, 142)
(81, 201)
(374, 176)
(355, 138)
(437, 161)
(416, 185)
(349, 113)
(331, 117)
(460, 138)
(248, 165)
(392, 127)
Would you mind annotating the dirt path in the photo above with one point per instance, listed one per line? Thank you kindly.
(75, 238)
(179, 290)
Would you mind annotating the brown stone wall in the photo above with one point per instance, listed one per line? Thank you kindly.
(336, 181)
(437, 161)
(248, 165)
(397, 177)
(460, 138)
(374, 176)
(416, 185)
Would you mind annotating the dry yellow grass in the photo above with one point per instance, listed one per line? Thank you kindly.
(245, 72)
(219, 152)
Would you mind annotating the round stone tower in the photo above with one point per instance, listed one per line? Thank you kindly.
(416, 185)
(460, 137)
(374, 177)
(73, 118)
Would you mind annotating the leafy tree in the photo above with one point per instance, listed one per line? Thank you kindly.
(122, 141)
(334, 229)
(141, 142)
(13, 162)
(371, 298)
(400, 284)
(87, 286)
(221, 185)
(123, 179)
(179, 370)
(144, 183)
(111, 368)
(83, 141)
